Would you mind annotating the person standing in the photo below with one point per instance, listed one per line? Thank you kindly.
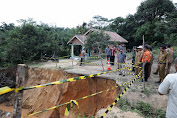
(118, 51)
(163, 63)
(112, 56)
(168, 86)
(108, 53)
(82, 56)
(120, 47)
(121, 58)
(170, 58)
(146, 60)
(133, 58)
(138, 59)
(171, 47)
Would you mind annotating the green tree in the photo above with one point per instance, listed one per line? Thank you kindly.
(97, 41)
(26, 42)
(171, 31)
(151, 9)
(99, 22)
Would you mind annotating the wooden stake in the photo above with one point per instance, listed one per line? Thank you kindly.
(21, 78)
(143, 64)
(101, 62)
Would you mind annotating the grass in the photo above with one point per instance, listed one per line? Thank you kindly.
(148, 92)
(142, 108)
(84, 116)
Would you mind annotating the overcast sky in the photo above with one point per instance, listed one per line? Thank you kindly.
(65, 13)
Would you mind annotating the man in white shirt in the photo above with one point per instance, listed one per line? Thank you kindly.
(169, 86)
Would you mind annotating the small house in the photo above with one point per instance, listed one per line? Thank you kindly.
(77, 41)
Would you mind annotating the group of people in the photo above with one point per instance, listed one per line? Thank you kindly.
(138, 60)
(165, 61)
(121, 56)
(168, 81)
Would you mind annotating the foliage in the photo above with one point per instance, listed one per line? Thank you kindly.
(124, 104)
(97, 41)
(155, 19)
(99, 22)
(145, 108)
(159, 113)
(148, 92)
(27, 42)
(152, 9)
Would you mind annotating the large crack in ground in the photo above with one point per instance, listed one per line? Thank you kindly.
(38, 99)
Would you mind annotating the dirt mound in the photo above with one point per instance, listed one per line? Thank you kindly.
(7, 78)
(42, 98)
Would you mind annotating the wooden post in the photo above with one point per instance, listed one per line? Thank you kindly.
(21, 78)
(143, 64)
(101, 62)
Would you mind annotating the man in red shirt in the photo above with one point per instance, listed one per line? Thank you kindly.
(112, 56)
(147, 58)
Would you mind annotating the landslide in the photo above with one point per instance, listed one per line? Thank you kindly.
(42, 98)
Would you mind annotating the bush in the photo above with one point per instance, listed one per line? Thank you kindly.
(145, 108)
(124, 104)
(159, 113)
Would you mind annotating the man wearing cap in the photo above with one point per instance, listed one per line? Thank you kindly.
(138, 59)
(121, 58)
(163, 63)
(146, 60)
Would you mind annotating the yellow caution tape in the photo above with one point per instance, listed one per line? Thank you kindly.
(70, 106)
(19, 89)
(6, 89)
(109, 108)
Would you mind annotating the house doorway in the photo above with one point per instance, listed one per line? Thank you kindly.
(77, 50)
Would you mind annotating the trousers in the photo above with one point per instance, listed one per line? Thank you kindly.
(149, 72)
(108, 57)
(137, 68)
(161, 72)
(112, 60)
(82, 61)
(121, 66)
(146, 71)
(168, 70)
